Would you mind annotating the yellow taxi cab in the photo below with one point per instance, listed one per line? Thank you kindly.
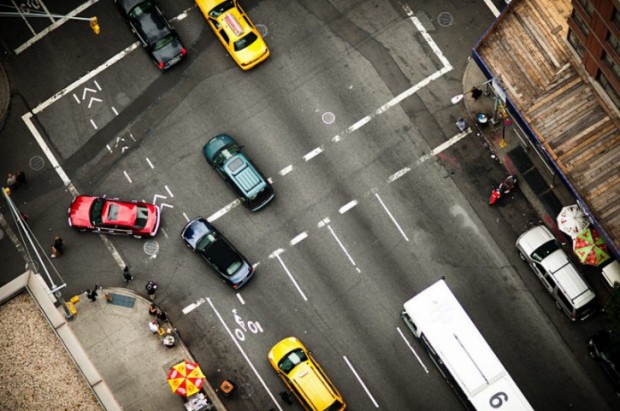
(304, 377)
(235, 31)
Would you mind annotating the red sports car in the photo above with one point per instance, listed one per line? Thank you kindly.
(113, 216)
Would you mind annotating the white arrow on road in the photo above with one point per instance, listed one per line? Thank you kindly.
(86, 89)
(90, 103)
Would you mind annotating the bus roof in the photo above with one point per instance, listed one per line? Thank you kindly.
(464, 351)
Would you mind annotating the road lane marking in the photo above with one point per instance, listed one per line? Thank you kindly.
(127, 176)
(148, 160)
(286, 170)
(240, 298)
(223, 211)
(331, 230)
(93, 124)
(412, 350)
(398, 174)
(276, 255)
(245, 356)
(193, 306)
(391, 217)
(444, 146)
(347, 206)
(359, 379)
(115, 111)
(168, 190)
(298, 238)
(309, 156)
(186, 217)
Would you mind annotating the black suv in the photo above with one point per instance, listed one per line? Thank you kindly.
(154, 31)
(606, 350)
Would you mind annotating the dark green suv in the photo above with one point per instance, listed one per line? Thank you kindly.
(226, 157)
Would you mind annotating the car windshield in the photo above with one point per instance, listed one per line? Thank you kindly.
(337, 405)
(245, 41)
(95, 211)
(544, 250)
(292, 359)
(163, 42)
(234, 267)
(140, 9)
(225, 154)
(221, 8)
(143, 216)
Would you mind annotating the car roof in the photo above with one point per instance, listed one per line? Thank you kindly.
(127, 5)
(153, 25)
(244, 175)
(220, 253)
(119, 212)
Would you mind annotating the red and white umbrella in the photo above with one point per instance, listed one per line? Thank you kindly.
(572, 220)
(185, 378)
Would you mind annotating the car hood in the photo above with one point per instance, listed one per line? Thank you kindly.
(79, 213)
(215, 145)
(252, 52)
(534, 238)
(195, 230)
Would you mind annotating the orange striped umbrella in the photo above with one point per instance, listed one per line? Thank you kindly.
(185, 378)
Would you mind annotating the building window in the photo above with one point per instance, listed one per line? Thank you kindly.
(574, 41)
(615, 18)
(614, 43)
(587, 6)
(580, 23)
(613, 95)
(615, 68)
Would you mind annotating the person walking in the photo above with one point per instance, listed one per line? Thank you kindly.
(461, 124)
(57, 247)
(153, 309)
(151, 288)
(161, 316)
(127, 274)
(154, 326)
(92, 294)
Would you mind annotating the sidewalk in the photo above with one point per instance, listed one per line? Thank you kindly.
(132, 360)
(546, 194)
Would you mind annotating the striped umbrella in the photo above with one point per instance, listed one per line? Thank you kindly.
(590, 247)
(185, 378)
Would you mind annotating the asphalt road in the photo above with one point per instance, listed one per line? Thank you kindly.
(343, 117)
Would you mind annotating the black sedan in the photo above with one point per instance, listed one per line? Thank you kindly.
(205, 240)
(154, 31)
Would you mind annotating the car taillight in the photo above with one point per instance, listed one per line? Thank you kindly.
(161, 65)
(235, 286)
(183, 51)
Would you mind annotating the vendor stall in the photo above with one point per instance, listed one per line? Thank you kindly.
(186, 379)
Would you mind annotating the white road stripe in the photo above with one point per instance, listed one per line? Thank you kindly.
(392, 217)
(77, 99)
(299, 237)
(444, 146)
(169, 192)
(331, 230)
(149, 162)
(92, 122)
(247, 359)
(97, 84)
(115, 111)
(398, 174)
(286, 170)
(313, 153)
(186, 217)
(347, 206)
(240, 298)
(223, 211)
(276, 255)
(193, 306)
(361, 382)
(412, 350)
(359, 124)
(127, 176)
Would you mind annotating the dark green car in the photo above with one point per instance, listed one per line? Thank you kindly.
(226, 157)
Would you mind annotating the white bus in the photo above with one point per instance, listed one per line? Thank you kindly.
(460, 352)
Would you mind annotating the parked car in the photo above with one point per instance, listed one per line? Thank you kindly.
(222, 257)
(606, 351)
(304, 377)
(113, 216)
(154, 31)
(539, 248)
(235, 30)
(228, 159)
(611, 273)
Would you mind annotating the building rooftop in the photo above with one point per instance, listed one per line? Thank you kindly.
(527, 51)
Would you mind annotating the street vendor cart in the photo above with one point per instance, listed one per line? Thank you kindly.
(186, 379)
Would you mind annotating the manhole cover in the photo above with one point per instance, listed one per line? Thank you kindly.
(445, 19)
(37, 163)
(151, 247)
(262, 29)
(328, 117)
(246, 390)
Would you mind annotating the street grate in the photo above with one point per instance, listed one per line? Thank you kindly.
(445, 19)
(122, 300)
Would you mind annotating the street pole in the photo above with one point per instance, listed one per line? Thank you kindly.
(93, 21)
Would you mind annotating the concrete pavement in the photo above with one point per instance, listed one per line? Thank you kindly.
(131, 359)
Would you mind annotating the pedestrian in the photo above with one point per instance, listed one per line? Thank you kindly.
(11, 181)
(476, 93)
(92, 294)
(127, 274)
(154, 326)
(54, 252)
(461, 124)
(161, 316)
(151, 288)
(153, 309)
(58, 244)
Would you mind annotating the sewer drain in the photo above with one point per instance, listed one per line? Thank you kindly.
(262, 29)
(328, 117)
(36, 163)
(445, 19)
(151, 247)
